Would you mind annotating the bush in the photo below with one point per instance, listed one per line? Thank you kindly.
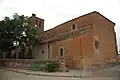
(110, 61)
(52, 66)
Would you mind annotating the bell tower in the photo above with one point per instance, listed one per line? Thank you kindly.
(37, 22)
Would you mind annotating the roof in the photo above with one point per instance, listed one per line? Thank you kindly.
(81, 17)
(67, 34)
(105, 17)
(86, 15)
(77, 18)
(37, 18)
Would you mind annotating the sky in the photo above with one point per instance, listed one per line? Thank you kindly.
(55, 12)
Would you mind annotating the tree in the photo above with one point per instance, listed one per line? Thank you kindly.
(17, 32)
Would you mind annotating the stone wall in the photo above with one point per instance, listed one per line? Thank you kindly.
(2, 63)
(20, 63)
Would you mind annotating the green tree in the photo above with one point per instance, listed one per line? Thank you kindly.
(17, 32)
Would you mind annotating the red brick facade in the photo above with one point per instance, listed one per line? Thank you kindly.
(79, 46)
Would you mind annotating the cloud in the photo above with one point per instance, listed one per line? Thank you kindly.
(58, 11)
(1, 1)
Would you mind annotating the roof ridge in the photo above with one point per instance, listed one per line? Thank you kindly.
(80, 17)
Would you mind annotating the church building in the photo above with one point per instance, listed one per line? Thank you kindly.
(81, 42)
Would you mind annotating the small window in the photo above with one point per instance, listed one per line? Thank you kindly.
(96, 44)
(36, 22)
(61, 51)
(42, 51)
(74, 26)
(39, 23)
(47, 34)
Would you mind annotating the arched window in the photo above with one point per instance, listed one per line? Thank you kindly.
(61, 51)
(96, 44)
(36, 22)
(42, 51)
(39, 23)
(73, 27)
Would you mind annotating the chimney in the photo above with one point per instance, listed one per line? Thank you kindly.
(33, 15)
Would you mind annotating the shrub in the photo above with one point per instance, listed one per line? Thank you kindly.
(52, 66)
(110, 61)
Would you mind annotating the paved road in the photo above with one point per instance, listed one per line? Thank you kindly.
(9, 75)
(102, 75)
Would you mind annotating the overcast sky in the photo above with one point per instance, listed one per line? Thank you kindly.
(58, 11)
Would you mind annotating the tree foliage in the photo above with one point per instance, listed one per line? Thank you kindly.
(16, 32)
